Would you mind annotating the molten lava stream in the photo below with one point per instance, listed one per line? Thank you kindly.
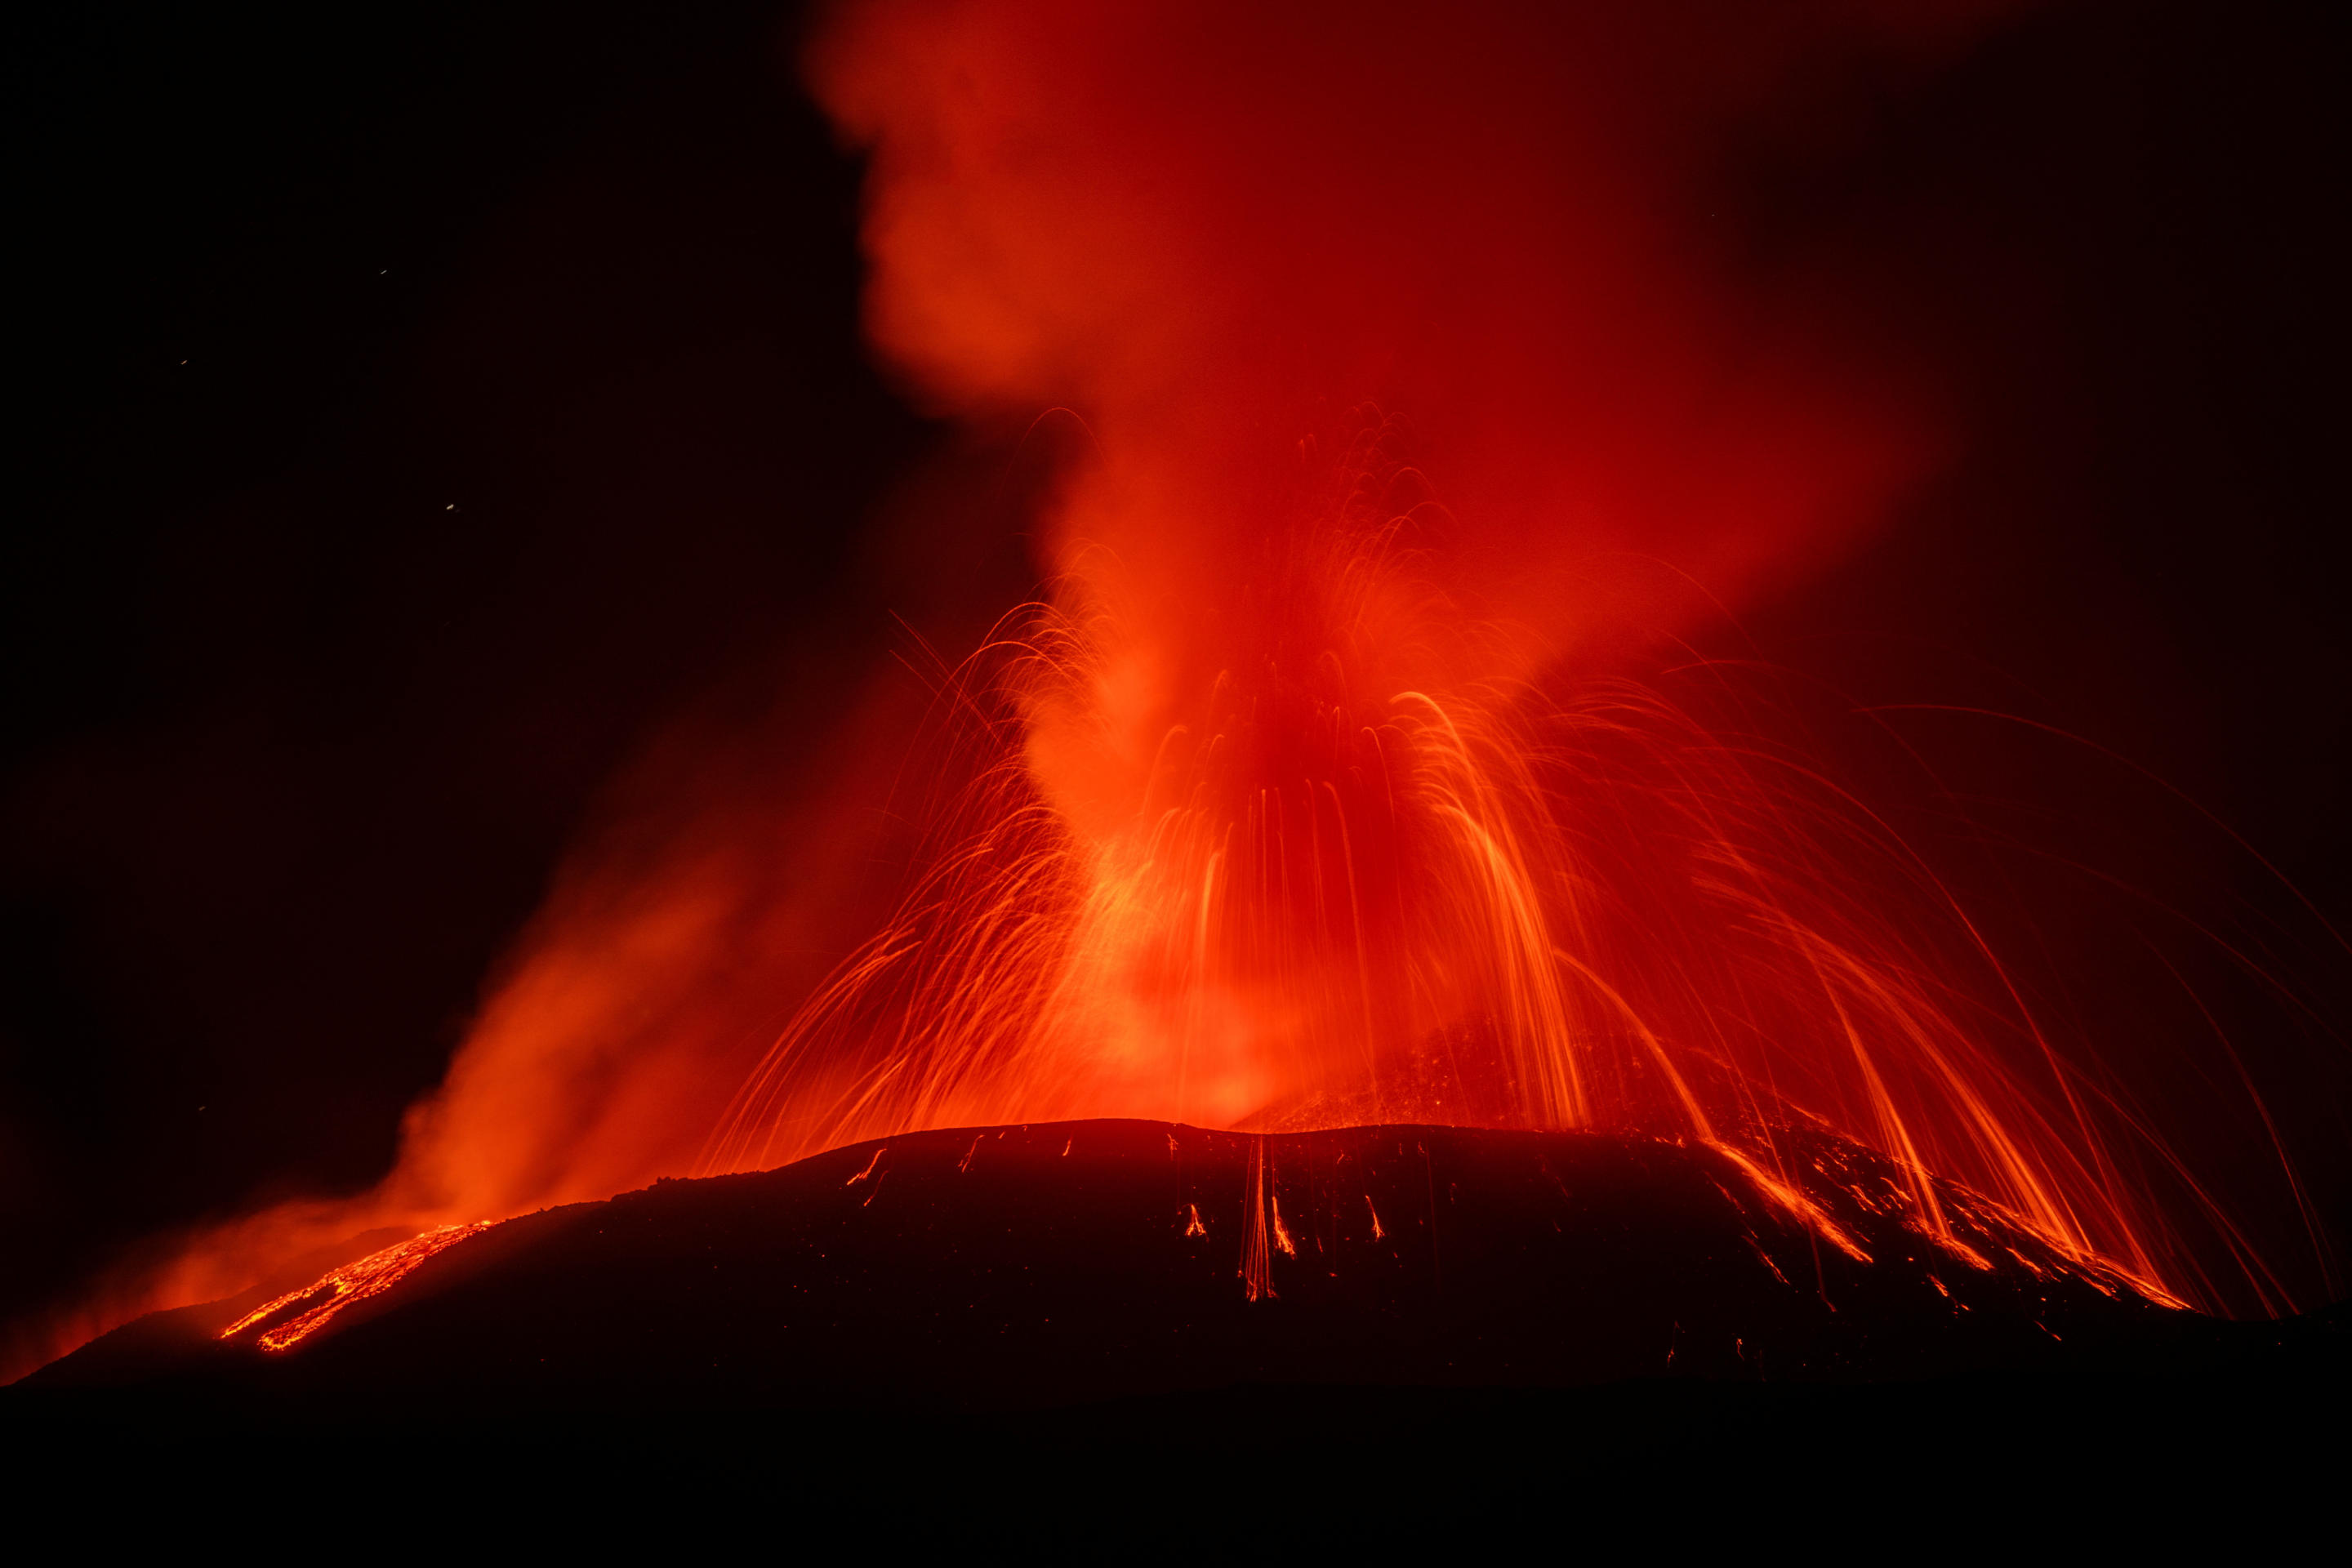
(320, 1303)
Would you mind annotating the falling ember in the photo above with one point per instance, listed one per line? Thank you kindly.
(1257, 1270)
(1193, 1226)
(346, 1287)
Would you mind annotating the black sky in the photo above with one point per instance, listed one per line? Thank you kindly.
(417, 408)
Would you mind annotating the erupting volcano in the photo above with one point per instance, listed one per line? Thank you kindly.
(1360, 873)
(1359, 925)
(1308, 800)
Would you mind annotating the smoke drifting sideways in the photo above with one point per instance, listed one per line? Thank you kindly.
(708, 892)
(1278, 262)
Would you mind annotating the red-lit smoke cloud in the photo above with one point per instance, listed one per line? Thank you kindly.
(1209, 227)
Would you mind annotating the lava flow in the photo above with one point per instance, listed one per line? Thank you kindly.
(294, 1317)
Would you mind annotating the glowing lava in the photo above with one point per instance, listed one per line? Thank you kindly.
(320, 1303)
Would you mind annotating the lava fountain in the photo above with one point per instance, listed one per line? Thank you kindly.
(1362, 876)
(1307, 801)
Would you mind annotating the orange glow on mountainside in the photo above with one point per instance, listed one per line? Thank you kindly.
(322, 1301)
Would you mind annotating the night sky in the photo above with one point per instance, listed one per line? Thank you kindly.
(417, 411)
